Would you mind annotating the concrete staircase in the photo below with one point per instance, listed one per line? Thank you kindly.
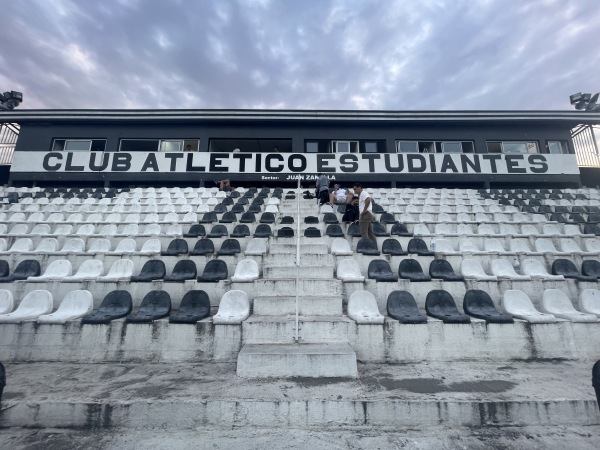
(270, 346)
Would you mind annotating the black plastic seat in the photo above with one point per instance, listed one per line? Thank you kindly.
(183, 270)
(153, 269)
(544, 209)
(254, 209)
(401, 305)
(285, 232)
(441, 305)
(258, 201)
(479, 304)
(214, 271)
(287, 220)
(367, 247)
(194, 306)
(591, 228)
(334, 230)
(387, 218)
(240, 231)
(230, 247)
(378, 209)
(248, 217)
(208, 217)
(238, 209)
(567, 269)
(203, 247)
(218, 231)
(593, 218)
(380, 270)
(311, 219)
(399, 229)
(228, 217)
(176, 247)
(4, 269)
(392, 247)
(267, 217)
(115, 305)
(417, 246)
(379, 229)
(263, 230)
(242, 201)
(227, 201)
(154, 306)
(353, 230)
(25, 269)
(312, 232)
(591, 268)
(195, 230)
(220, 209)
(410, 269)
(440, 268)
(330, 218)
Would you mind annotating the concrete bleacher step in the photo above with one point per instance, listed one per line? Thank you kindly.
(305, 271)
(180, 396)
(290, 249)
(281, 329)
(314, 259)
(307, 305)
(287, 287)
(297, 360)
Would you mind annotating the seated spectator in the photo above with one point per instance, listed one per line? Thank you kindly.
(338, 196)
(352, 214)
(225, 185)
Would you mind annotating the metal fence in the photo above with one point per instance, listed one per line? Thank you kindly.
(9, 133)
(586, 145)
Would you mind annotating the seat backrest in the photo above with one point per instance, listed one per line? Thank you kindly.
(90, 268)
(589, 300)
(117, 302)
(77, 302)
(476, 300)
(7, 302)
(440, 268)
(340, 246)
(27, 268)
(467, 245)
(74, 245)
(400, 303)
(555, 300)
(215, 269)
(155, 268)
(204, 247)
(517, 301)
(126, 246)
(178, 246)
(22, 245)
(410, 266)
(36, 301)
(121, 268)
(234, 302)
(591, 268)
(47, 245)
(348, 268)
(502, 267)
(156, 302)
(59, 268)
(564, 267)
(362, 301)
(533, 267)
(246, 268)
(99, 246)
(439, 300)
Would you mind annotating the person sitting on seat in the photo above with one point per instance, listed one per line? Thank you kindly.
(338, 196)
(225, 185)
(352, 214)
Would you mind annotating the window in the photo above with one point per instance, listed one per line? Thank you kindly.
(371, 147)
(344, 146)
(79, 145)
(312, 147)
(435, 146)
(558, 147)
(512, 148)
(158, 145)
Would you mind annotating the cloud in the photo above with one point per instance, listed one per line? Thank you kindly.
(314, 54)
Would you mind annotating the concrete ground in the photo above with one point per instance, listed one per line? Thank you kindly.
(517, 404)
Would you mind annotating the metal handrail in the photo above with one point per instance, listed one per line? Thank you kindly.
(297, 337)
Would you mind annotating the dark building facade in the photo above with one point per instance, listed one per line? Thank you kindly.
(388, 148)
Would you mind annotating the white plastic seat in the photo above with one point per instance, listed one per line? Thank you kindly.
(73, 245)
(75, 217)
(33, 305)
(592, 245)
(246, 271)
(94, 218)
(272, 209)
(568, 245)
(589, 301)
(125, 246)
(22, 245)
(519, 246)
(37, 217)
(348, 270)
(550, 229)
(40, 228)
(519, 305)
(16, 217)
(63, 229)
(471, 268)
(75, 305)
(171, 217)
(121, 270)
(545, 245)
(466, 245)
(7, 303)
(557, 303)
(362, 308)
(90, 269)
(19, 229)
(535, 269)
(493, 245)
(131, 229)
(86, 230)
(572, 230)
(482, 217)
(234, 308)
(507, 229)
(443, 229)
(341, 247)
(324, 208)
(151, 247)
(132, 218)
(444, 246)
(503, 269)
(47, 245)
(256, 247)
(426, 217)
(56, 270)
(464, 229)
(420, 229)
(486, 229)
(529, 230)
(175, 229)
(190, 217)
(152, 229)
(99, 246)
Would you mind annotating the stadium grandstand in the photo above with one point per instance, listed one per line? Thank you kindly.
(172, 269)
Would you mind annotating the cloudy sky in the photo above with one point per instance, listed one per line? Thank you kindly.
(300, 54)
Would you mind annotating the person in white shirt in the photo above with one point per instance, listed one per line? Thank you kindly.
(365, 209)
(338, 196)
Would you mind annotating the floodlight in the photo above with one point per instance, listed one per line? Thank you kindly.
(594, 98)
(2, 99)
(586, 97)
(10, 100)
(17, 95)
(580, 104)
(575, 98)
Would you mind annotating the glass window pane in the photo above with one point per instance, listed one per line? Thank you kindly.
(514, 147)
(451, 147)
(555, 147)
(312, 147)
(59, 145)
(370, 147)
(78, 145)
(142, 145)
(170, 146)
(343, 147)
(408, 147)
